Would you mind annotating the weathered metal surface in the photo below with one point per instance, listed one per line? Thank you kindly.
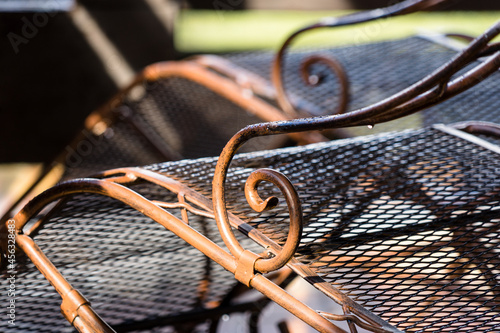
(457, 202)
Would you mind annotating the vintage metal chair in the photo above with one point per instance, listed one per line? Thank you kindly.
(401, 229)
(162, 115)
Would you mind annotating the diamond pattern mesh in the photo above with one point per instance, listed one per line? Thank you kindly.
(200, 120)
(120, 145)
(406, 224)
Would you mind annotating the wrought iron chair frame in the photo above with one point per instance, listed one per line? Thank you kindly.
(248, 267)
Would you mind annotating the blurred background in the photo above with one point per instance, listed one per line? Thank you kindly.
(62, 59)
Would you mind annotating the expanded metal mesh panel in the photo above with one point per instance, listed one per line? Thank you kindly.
(185, 118)
(131, 268)
(405, 224)
(192, 119)
(376, 71)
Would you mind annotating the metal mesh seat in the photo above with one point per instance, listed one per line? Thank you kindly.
(162, 115)
(404, 224)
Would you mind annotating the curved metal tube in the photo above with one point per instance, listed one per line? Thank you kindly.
(430, 90)
(488, 50)
(354, 319)
(405, 7)
(480, 127)
(260, 86)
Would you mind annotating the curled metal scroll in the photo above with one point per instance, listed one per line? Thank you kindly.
(315, 80)
(335, 66)
(404, 7)
(294, 209)
(431, 90)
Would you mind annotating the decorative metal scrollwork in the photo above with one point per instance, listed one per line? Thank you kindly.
(294, 209)
(404, 7)
(313, 80)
